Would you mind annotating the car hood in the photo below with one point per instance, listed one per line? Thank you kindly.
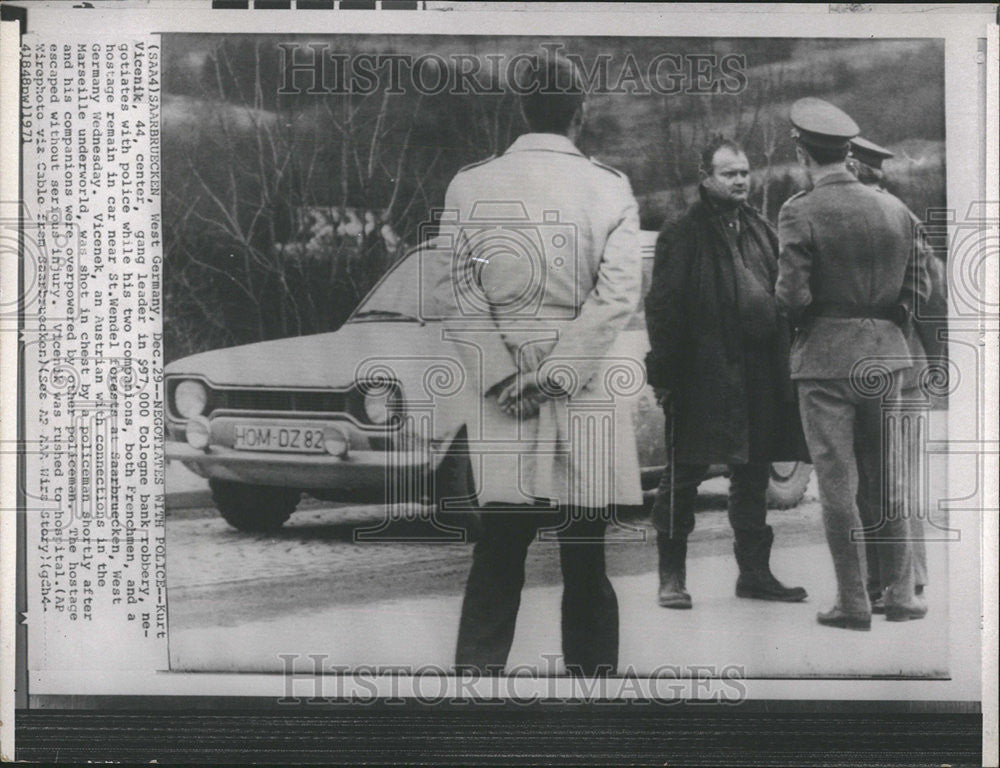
(316, 361)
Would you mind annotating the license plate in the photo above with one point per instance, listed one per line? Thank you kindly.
(283, 439)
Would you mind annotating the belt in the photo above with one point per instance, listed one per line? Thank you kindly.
(859, 311)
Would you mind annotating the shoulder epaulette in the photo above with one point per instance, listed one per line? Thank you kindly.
(476, 164)
(599, 164)
(796, 196)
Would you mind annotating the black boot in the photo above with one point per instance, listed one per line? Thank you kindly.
(753, 555)
(673, 571)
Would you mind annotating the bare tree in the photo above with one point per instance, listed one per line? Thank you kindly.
(247, 261)
(771, 87)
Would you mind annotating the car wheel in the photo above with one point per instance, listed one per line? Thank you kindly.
(253, 508)
(788, 483)
(453, 479)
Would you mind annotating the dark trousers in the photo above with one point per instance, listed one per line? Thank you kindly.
(747, 499)
(748, 484)
(493, 591)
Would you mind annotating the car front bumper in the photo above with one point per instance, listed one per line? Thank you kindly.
(360, 472)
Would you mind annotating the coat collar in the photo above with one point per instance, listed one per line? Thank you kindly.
(544, 142)
(837, 177)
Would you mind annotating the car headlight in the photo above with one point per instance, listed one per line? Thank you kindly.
(336, 442)
(381, 406)
(198, 432)
(190, 398)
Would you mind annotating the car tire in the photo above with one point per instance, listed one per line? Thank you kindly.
(788, 483)
(253, 508)
(454, 479)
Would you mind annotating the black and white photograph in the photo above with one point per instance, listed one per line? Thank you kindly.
(442, 382)
(534, 352)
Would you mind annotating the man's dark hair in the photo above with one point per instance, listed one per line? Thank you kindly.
(716, 143)
(826, 155)
(868, 175)
(557, 94)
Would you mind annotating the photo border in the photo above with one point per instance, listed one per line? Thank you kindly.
(960, 29)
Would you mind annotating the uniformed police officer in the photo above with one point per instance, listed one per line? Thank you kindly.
(545, 273)
(848, 279)
(865, 162)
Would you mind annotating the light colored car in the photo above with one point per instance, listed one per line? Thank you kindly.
(360, 414)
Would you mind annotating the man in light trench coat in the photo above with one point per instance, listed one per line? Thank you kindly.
(544, 273)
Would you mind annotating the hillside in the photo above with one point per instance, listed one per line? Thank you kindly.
(243, 162)
(893, 89)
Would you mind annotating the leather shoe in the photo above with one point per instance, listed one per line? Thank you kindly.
(765, 587)
(878, 605)
(838, 618)
(909, 612)
(673, 598)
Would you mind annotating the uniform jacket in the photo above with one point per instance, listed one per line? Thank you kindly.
(924, 337)
(544, 271)
(696, 347)
(847, 244)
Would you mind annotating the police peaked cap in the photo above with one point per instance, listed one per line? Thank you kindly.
(820, 124)
(868, 152)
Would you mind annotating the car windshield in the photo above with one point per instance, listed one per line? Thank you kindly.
(404, 293)
(399, 294)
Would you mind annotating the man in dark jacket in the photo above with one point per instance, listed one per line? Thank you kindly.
(719, 366)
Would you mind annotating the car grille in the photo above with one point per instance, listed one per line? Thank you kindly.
(319, 401)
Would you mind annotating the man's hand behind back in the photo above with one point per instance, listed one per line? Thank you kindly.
(662, 396)
(521, 397)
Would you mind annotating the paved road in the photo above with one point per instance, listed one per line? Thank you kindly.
(217, 573)
(237, 601)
